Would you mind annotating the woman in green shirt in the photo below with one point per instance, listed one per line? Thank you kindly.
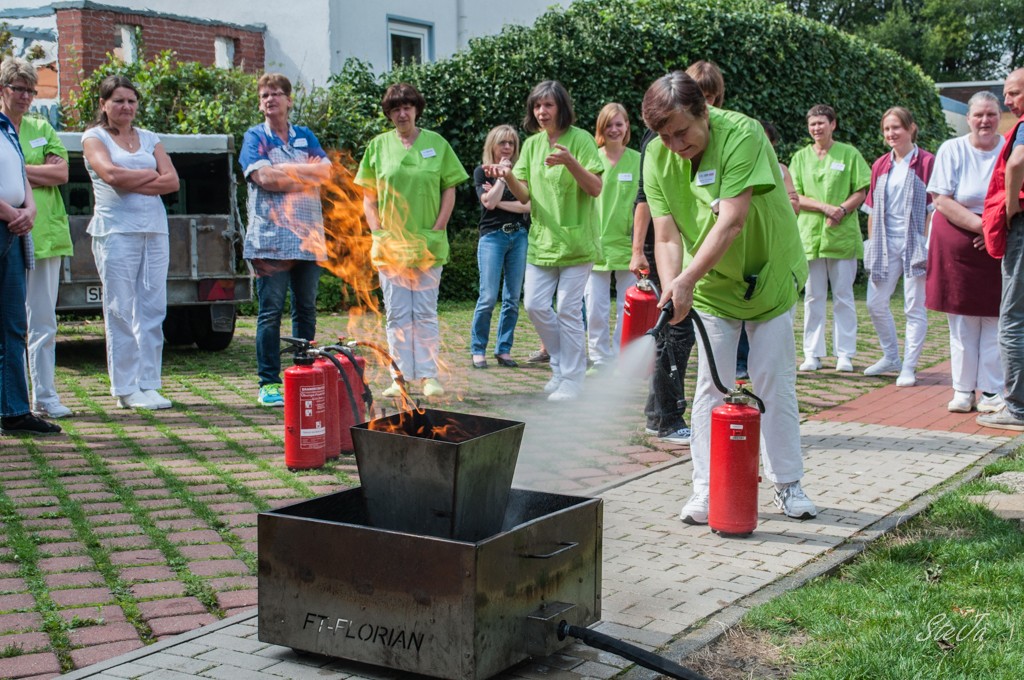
(409, 177)
(620, 181)
(727, 245)
(831, 179)
(559, 172)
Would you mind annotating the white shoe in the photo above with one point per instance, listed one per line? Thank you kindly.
(962, 402)
(553, 384)
(794, 502)
(156, 399)
(135, 400)
(844, 365)
(567, 391)
(810, 364)
(993, 404)
(432, 388)
(883, 365)
(52, 412)
(907, 378)
(696, 509)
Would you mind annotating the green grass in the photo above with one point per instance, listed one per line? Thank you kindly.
(941, 597)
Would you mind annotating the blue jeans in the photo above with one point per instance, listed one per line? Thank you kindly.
(303, 278)
(1011, 317)
(13, 326)
(498, 251)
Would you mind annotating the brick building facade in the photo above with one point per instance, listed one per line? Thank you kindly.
(87, 32)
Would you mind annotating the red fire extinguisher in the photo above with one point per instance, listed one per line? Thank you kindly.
(639, 309)
(305, 414)
(332, 380)
(353, 394)
(735, 445)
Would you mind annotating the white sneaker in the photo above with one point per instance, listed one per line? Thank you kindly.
(135, 400)
(566, 391)
(883, 365)
(962, 402)
(696, 509)
(53, 411)
(432, 388)
(844, 365)
(794, 502)
(156, 399)
(553, 384)
(993, 404)
(907, 378)
(810, 364)
(395, 390)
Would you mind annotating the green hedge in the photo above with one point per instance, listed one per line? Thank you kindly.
(776, 66)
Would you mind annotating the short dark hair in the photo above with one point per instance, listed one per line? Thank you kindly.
(709, 79)
(554, 90)
(822, 110)
(669, 93)
(402, 94)
(770, 131)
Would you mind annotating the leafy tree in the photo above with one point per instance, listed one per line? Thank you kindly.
(6, 43)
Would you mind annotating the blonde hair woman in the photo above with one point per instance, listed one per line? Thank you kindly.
(504, 226)
(615, 231)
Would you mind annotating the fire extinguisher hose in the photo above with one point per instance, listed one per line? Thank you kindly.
(326, 354)
(637, 655)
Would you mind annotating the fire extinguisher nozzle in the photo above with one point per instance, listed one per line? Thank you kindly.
(666, 316)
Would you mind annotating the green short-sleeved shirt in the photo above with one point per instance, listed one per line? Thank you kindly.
(50, 234)
(563, 229)
(831, 180)
(738, 157)
(615, 210)
(408, 183)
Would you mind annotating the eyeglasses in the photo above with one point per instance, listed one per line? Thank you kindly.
(268, 95)
(21, 90)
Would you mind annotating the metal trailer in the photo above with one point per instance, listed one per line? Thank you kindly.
(204, 283)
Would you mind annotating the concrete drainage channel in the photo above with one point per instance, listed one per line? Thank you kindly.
(707, 632)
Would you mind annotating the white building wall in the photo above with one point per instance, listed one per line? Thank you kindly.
(307, 40)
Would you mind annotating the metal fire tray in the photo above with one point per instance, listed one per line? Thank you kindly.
(332, 584)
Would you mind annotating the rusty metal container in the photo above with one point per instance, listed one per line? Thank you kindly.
(437, 473)
(332, 583)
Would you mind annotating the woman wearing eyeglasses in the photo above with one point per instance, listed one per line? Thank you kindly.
(46, 165)
(17, 214)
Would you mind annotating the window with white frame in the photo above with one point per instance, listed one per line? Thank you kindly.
(409, 41)
(126, 44)
(224, 52)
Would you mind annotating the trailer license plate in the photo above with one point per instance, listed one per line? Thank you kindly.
(94, 294)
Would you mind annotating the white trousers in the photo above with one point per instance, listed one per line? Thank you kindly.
(823, 272)
(974, 353)
(41, 286)
(772, 367)
(133, 270)
(561, 331)
(410, 306)
(879, 295)
(598, 300)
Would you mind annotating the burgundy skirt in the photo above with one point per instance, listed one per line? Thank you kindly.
(961, 279)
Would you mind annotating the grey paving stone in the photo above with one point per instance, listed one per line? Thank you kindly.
(250, 662)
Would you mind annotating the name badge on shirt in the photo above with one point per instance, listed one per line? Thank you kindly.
(706, 177)
(300, 142)
(36, 143)
(428, 153)
(625, 177)
(838, 166)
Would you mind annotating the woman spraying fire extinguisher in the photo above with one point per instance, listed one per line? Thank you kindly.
(715, 192)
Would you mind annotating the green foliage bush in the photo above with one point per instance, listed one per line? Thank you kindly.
(776, 66)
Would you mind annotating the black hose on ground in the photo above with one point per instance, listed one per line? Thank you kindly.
(637, 655)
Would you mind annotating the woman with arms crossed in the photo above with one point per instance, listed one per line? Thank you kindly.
(130, 170)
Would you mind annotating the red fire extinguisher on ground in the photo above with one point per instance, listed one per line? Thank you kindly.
(735, 449)
(305, 412)
(639, 309)
(332, 387)
(353, 395)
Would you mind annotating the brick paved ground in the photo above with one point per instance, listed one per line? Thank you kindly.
(135, 527)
